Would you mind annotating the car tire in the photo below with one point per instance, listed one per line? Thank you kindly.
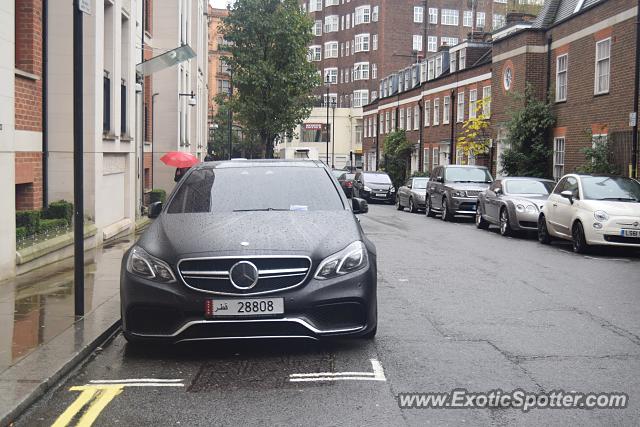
(412, 206)
(505, 225)
(446, 215)
(399, 205)
(543, 233)
(428, 210)
(580, 245)
(481, 223)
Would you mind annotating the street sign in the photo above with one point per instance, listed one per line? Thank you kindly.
(633, 117)
(85, 6)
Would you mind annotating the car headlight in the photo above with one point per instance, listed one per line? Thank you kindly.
(144, 265)
(532, 208)
(392, 190)
(601, 216)
(365, 188)
(352, 258)
(459, 193)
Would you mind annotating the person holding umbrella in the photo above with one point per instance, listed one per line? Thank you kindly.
(181, 161)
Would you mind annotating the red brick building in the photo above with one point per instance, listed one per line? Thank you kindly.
(577, 51)
(29, 75)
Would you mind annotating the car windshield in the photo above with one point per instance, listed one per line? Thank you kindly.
(377, 178)
(348, 176)
(614, 188)
(256, 189)
(467, 175)
(420, 184)
(522, 186)
(337, 173)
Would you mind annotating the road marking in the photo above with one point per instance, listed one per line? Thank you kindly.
(376, 375)
(96, 395)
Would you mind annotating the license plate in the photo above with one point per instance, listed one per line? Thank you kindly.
(244, 307)
(630, 233)
(381, 194)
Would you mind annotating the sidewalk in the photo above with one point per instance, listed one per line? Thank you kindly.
(40, 340)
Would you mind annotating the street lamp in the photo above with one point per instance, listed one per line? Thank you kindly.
(333, 137)
(328, 86)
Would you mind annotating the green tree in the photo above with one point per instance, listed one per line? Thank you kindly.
(527, 152)
(474, 139)
(273, 80)
(244, 143)
(397, 156)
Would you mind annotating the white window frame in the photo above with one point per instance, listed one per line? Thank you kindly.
(462, 60)
(360, 71)
(317, 28)
(433, 15)
(416, 117)
(460, 107)
(435, 156)
(315, 6)
(360, 98)
(409, 118)
(418, 14)
(374, 71)
(480, 20)
(436, 111)
(374, 42)
(432, 43)
(331, 50)
(467, 18)
(331, 23)
(445, 109)
(362, 42)
(450, 17)
(427, 112)
(448, 41)
(402, 123)
(559, 147)
(562, 65)
(598, 89)
(374, 14)
(315, 52)
(473, 99)
(331, 3)
(332, 72)
(362, 15)
(417, 43)
(486, 101)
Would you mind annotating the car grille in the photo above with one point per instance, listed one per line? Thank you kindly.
(472, 193)
(528, 224)
(274, 274)
(621, 239)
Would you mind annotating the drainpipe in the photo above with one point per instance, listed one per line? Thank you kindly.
(421, 134)
(452, 120)
(636, 84)
(549, 40)
(377, 140)
(45, 139)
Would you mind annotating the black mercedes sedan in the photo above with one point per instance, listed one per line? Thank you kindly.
(251, 249)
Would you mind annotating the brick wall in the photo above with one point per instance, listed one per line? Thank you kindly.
(148, 171)
(28, 180)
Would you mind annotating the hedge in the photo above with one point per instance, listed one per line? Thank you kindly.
(59, 210)
(157, 195)
(47, 225)
(21, 233)
(30, 220)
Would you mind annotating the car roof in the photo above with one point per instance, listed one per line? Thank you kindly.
(525, 178)
(244, 163)
(464, 166)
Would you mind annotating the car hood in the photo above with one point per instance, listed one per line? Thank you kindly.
(419, 191)
(377, 186)
(314, 234)
(613, 208)
(537, 200)
(477, 186)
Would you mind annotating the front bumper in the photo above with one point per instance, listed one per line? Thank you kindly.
(525, 221)
(462, 205)
(611, 232)
(344, 306)
(383, 196)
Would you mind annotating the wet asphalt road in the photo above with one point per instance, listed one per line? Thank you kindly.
(458, 308)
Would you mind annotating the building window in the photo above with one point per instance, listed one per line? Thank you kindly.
(374, 71)
(431, 69)
(363, 15)
(223, 86)
(331, 3)
(433, 15)
(331, 50)
(360, 98)
(416, 117)
(436, 157)
(315, 53)
(331, 23)
(427, 112)
(418, 14)
(402, 119)
(603, 62)
(448, 41)
(361, 71)
(387, 119)
(317, 28)
(417, 42)
(460, 109)
(315, 6)
(331, 75)
(374, 94)
(438, 65)
(432, 43)
(362, 43)
(486, 101)
(106, 103)
(498, 21)
(374, 14)
(558, 157)
(436, 111)
(467, 18)
(480, 20)
(449, 17)
(453, 62)
(462, 63)
(123, 108)
(393, 120)
(561, 77)
(410, 118)
(445, 110)
(374, 42)
(473, 98)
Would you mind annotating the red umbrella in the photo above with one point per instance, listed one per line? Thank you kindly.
(178, 159)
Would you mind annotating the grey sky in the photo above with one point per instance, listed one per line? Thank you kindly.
(220, 4)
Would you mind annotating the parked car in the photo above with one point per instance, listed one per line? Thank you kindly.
(374, 186)
(453, 190)
(412, 194)
(592, 210)
(221, 262)
(513, 204)
(346, 180)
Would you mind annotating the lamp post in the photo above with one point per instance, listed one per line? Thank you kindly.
(328, 85)
(333, 136)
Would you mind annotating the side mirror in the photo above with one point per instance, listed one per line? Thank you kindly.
(567, 194)
(497, 191)
(154, 209)
(440, 179)
(359, 206)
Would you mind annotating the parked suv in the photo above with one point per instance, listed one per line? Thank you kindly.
(374, 186)
(453, 190)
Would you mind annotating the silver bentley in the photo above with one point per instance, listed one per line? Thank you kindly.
(513, 204)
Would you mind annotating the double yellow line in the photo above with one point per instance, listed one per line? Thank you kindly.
(95, 398)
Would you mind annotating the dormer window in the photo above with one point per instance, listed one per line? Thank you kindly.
(463, 59)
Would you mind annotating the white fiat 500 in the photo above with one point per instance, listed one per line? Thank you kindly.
(592, 210)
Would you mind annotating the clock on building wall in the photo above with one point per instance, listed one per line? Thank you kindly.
(507, 77)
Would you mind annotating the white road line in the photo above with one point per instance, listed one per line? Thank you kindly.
(135, 380)
(376, 375)
(296, 380)
(333, 374)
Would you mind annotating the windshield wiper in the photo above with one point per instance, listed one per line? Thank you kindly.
(621, 199)
(262, 210)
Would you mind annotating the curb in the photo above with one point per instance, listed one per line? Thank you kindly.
(10, 417)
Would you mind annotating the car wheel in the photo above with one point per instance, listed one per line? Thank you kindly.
(446, 215)
(412, 206)
(543, 234)
(398, 204)
(481, 223)
(580, 245)
(428, 210)
(505, 226)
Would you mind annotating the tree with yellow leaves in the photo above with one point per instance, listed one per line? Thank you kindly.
(474, 138)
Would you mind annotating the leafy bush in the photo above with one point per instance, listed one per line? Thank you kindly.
(598, 158)
(397, 152)
(30, 220)
(157, 195)
(59, 210)
(420, 174)
(48, 225)
(21, 233)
